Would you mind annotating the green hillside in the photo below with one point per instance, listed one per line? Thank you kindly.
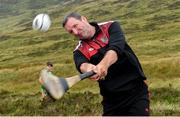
(151, 28)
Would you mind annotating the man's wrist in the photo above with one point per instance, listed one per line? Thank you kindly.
(109, 58)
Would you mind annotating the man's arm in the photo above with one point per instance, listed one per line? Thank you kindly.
(79, 59)
(116, 48)
(102, 68)
(82, 64)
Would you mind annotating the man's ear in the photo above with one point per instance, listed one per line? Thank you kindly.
(84, 19)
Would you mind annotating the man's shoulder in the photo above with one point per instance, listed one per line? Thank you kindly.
(106, 22)
(109, 24)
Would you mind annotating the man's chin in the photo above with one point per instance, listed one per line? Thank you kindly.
(80, 37)
(83, 38)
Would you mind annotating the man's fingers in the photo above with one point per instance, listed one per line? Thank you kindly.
(100, 72)
(94, 77)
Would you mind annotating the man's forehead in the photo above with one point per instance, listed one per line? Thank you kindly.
(71, 21)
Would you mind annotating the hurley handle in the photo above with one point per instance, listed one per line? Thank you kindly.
(86, 75)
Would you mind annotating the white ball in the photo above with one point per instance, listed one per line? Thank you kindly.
(41, 22)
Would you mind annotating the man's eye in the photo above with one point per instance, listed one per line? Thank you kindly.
(75, 25)
(70, 31)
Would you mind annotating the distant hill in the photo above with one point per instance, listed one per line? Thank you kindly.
(17, 7)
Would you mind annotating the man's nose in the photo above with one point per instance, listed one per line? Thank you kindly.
(75, 32)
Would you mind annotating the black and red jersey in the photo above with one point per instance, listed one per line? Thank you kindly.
(123, 74)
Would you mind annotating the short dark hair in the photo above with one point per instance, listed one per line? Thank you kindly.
(73, 14)
(49, 64)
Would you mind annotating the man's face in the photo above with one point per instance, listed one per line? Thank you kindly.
(78, 28)
(50, 68)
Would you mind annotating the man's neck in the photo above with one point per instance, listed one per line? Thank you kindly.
(96, 29)
(92, 31)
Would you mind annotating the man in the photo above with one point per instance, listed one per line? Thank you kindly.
(103, 49)
(44, 94)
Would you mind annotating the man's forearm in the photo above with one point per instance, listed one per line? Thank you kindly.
(102, 68)
(109, 58)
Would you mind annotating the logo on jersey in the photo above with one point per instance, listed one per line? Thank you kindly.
(104, 39)
(91, 49)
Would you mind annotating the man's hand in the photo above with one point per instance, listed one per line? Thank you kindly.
(85, 67)
(101, 69)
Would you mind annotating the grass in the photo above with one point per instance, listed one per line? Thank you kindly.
(151, 28)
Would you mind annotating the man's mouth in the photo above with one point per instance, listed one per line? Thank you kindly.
(80, 36)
